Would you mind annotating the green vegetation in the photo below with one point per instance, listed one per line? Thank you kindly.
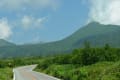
(7, 65)
(97, 34)
(98, 71)
(6, 74)
(85, 63)
(6, 70)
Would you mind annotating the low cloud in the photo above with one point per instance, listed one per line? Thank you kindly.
(32, 22)
(105, 11)
(5, 30)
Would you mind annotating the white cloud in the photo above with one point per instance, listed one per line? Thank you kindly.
(105, 11)
(32, 22)
(27, 21)
(5, 31)
(22, 4)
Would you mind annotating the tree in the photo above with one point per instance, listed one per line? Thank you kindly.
(107, 46)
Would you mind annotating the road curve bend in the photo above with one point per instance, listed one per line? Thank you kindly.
(26, 73)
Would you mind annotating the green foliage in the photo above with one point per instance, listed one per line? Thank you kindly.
(6, 74)
(84, 64)
(44, 64)
(97, 34)
(7, 65)
(87, 55)
(98, 71)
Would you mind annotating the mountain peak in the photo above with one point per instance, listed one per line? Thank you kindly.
(94, 23)
(97, 23)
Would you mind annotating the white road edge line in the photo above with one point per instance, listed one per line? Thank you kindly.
(13, 74)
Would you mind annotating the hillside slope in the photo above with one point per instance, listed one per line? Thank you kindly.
(97, 34)
(5, 43)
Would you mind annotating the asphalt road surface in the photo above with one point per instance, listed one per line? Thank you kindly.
(26, 73)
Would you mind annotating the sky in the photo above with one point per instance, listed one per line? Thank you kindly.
(33, 21)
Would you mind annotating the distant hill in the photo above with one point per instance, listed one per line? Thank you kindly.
(5, 43)
(97, 34)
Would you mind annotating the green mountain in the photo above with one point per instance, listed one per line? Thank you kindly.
(5, 43)
(97, 34)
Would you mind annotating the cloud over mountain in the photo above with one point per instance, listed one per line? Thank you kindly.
(105, 11)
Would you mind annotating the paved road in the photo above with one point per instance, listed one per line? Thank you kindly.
(26, 73)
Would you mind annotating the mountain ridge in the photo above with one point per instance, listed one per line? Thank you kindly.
(5, 43)
(97, 34)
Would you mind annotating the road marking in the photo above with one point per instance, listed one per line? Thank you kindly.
(14, 74)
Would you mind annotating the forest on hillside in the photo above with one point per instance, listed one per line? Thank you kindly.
(82, 64)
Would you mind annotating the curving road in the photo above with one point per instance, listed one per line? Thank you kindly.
(26, 73)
